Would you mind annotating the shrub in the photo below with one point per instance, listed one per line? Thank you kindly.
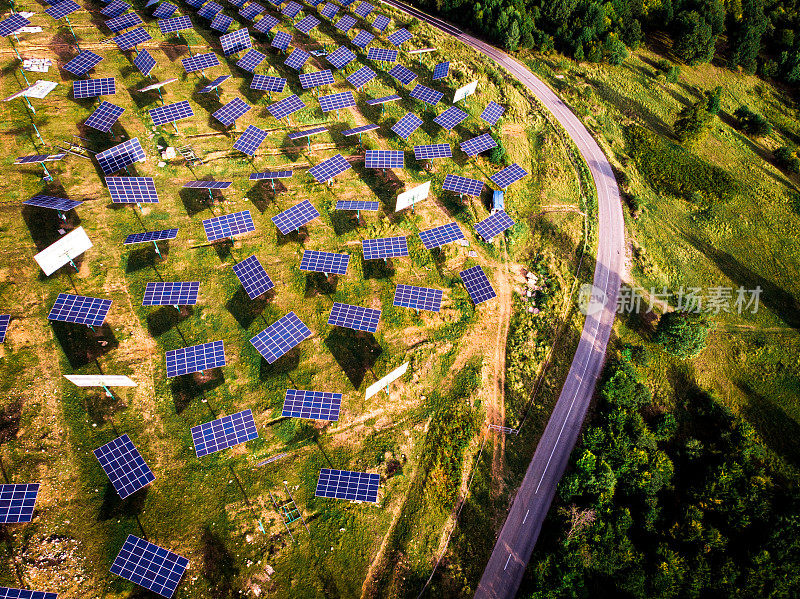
(751, 122)
(682, 334)
(498, 153)
(787, 160)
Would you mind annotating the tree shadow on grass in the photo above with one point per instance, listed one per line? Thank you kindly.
(115, 508)
(777, 428)
(185, 388)
(161, 320)
(355, 351)
(317, 283)
(246, 310)
(81, 344)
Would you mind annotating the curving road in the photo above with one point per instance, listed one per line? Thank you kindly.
(506, 567)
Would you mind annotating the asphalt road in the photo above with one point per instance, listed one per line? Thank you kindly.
(506, 567)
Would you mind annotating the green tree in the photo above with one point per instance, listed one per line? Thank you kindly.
(693, 121)
(511, 41)
(787, 160)
(682, 334)
(751, 122)
(745, 38)
(714, 100)
(695, 40)
(614, 49)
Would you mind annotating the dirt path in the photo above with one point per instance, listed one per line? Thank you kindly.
(498, 393)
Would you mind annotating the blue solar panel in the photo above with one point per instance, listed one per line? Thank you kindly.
(307, 24)
(224, 432)
(441, 70)
(297, 59)
(151, 236)
(384, 159)
(439, 236)
(250, 140)
(149, 566)
(53, 203)
(507, 176)
(115, 8)
(144, 62)
(327, 169)
(418, 298)
(361, 77)
(307, 133)
(477, 283)
(383, 100)
(399, 37)
(228, 225)
(344, 484)
(381, 22)
(426, 94)
(265, 24)
(253, 277)
(359, 129)
(17, 503)
(281, 40)
(67, 7)
(124, 22)
(39, 158)
(357, 205)
(329, 10)
(494, 225)
(82, 63)
(12, 593)
(384, 247)
(251, 60)
(235, 41)
(251, 10)
(195, 3)
(324, 262)
(433, 151)
(383, 54)
(171, 293)
(354, 317)
(292, 9)
(4, 320)
(208, 184)
(450, 118)
(315, 405)
(363, 9)
(170, 113)
(270, 175)
(407, 125)
(130, 190)
(286, 107)
(174, 24)
(214, 84)
(91, 88)
(120, 156)
(124, 466)
(345, 23)
(492, 113)
(131, 39)
(79, 309)
(465, 185)
(164, 10)
(340, 57)
(402, 74)
(316, 79)
(362, 39)
(337, 101)
(266, 83)
(295, 217)
(13, 24)
(281, 336)
(104, 116)
(221, 22)
(476, 145)
(228, 114)
(195, 358)
(236, 3)
(198, 62)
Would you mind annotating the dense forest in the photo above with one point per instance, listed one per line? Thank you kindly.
(760, 36)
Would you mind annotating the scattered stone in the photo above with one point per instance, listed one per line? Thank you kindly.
(169, 153)
(162, 164)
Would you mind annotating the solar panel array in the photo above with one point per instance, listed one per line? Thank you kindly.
(164, 10)
(399, 37)
(213, 85)
(384, 247)
(402, 74)
(295, 217)
(198, 62)
(307, 24)
(66, 7)
(228, 225)
(114, 9)
(315, 405)
(441, 70)
(151, 236)
(91, 88)
(359, 129)
(362, 39)
(124, 22)
(281, 336)
(507, 176)
(253, 277)
(251, 60)
(407, 125)
(297, 59)
(345, 23)
(83, 63)
(149, 566)
(315, 79)
(206, 184)
(79, 309)
(144, 62)
(266, 83)
(12, 593)
(266, 23)
(363, 9)
(221, 23)
(270, 175)
(228, 114)
(381, 22)
(357, 205)
(426, 94)
(307, 133)
(235, 41)
(492, 113)
(292, 9)
(124, 466)
(383, 100)
(476, 145)
(450, 118)
(329, 10)
(337, 101)
(340, 57)
(209, 10)
(174, 24)
(130, 190)
(53, 203)
(13, 24)
(354, 317)
(17, 503)
(195, 358)
(345, 484)
(419, 298)
(281, 40)
(4, 320)
(463, 185)
(250, 140)
(131, 39)
(104, 116)
(327, 169)
(439, 236)
(361, 77)
(384, 159)
(494, 225)
(477, 283)
(224, 432)
(431, 151)
(120, 156)
(171, 293)
(383, 54)
(251, 10)
(169, 113)
(324, 262)
(286, 107)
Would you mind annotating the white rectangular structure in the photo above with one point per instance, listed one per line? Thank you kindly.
(384, 382)
(72, 245)
(100, 380)
(39, 90)
(463, 92)
(412, 196)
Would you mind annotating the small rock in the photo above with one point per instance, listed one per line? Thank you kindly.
(162, 164)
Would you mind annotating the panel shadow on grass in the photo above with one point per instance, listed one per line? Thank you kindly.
(165, 317)
(194, 200)
(219, 565)
(185, 388)
(344, 221)
(246, 310)
(377, 269)
(115, 508)
(299, 236)
(101, 407)
(262, 194)
(43, 224)
(145, 256)
(317, 283)
(81, 344)
(280, 367)
(356, 352)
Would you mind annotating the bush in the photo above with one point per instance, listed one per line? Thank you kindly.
(787, 160)
(682, 334)
(752, 123)
(498, 153)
